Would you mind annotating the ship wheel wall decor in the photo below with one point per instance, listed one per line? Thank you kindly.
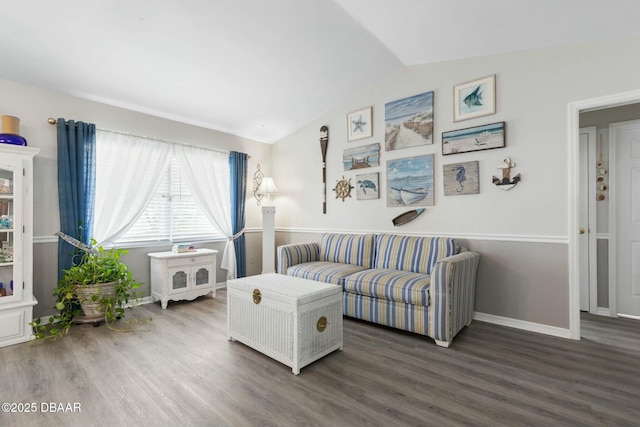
(343, 188)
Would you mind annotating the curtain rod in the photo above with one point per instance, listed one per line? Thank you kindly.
(53, 121)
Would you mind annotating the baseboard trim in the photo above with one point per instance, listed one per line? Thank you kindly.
(629, 316)
(522, 324)
(144, 300)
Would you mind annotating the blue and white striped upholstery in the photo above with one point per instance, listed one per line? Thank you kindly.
(449, 309)
(408, 317)
(297, 253)
(411, 253)
(453, 294)
(391, 285)
(424, 285)
(321, 271)
(357, 249)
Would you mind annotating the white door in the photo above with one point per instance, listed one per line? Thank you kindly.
(587, 229)
(625, 143)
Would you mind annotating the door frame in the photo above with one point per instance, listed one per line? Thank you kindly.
(573, 139)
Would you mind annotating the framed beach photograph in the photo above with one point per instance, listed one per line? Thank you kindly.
(367, 186)
(359, 124)
(410, 181)
(474, 99)
(461, 178)
(475, 138)
(367, 156)
(409, 122)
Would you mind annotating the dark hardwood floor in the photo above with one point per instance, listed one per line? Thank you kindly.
(183, 371)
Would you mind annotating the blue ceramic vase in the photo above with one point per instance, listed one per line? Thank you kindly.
(7, 138)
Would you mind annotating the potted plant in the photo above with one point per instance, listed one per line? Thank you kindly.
(99, 287)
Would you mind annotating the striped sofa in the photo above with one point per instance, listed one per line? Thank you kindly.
(424, 285)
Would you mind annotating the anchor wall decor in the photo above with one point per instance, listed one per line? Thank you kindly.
(506, 183)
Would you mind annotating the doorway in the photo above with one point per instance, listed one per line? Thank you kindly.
(576, 204)
(625, 154)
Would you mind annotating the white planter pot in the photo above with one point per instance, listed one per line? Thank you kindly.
(91, 309)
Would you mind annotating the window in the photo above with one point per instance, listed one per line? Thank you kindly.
(172, 214)
(142, 196)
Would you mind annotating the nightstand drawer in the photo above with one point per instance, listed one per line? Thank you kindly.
(189, 260)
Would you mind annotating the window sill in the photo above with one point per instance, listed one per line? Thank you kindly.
(163, 243)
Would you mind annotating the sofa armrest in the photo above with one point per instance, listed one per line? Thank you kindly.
(453, 286)
(297, 253)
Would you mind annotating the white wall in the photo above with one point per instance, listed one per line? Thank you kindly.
(533, 90)
(33, 106)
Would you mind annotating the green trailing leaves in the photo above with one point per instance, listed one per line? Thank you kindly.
(95, 267)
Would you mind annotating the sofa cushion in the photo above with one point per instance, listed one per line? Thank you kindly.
(357, 249)
(392, 285)
(327, 272)
(411, 253)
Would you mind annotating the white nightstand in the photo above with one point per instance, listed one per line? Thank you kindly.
(182, 276)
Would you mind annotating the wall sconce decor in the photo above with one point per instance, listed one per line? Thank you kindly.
(262, 186)
(257, 180)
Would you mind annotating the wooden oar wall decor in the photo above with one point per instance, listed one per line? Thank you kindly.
(324, 142)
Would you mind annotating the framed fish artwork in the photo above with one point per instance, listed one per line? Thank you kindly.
(474, 99)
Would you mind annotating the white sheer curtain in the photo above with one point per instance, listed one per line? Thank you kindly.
(208, 175)
(134, 167)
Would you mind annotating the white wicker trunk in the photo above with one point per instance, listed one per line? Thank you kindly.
(294, 321)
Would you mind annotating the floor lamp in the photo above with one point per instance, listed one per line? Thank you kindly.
(267, 188)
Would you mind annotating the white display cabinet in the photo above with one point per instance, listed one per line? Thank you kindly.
(182, 276)
(16, 243)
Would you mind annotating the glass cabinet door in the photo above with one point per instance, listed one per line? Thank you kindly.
(8, 223)
(178, 280)
(202, 276)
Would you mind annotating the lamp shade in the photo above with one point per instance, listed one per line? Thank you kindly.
(267, 186)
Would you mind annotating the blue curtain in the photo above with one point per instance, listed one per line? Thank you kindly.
(76, 185)
(238, 168)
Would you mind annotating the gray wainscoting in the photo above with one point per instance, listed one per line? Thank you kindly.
(45, 276)
(526, 281)
(522, 280)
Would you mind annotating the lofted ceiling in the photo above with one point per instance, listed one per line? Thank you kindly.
(261, 69)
